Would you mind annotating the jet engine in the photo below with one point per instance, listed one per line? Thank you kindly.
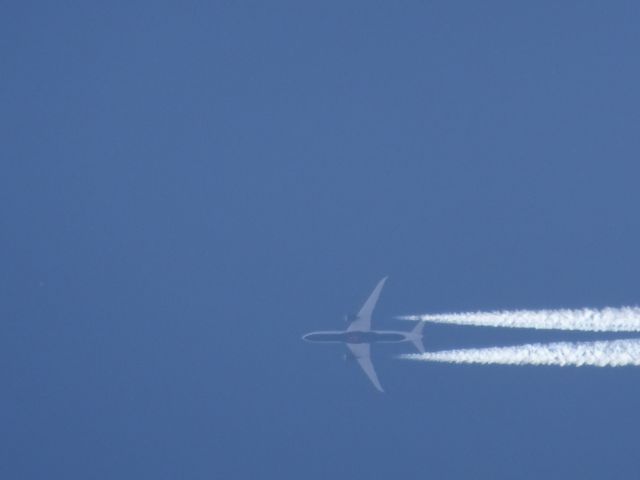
(349, 357)
(350, 317)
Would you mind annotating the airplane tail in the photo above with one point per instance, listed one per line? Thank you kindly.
(417, 336)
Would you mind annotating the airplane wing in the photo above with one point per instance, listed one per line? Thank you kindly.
(363, 320)
(361, 352)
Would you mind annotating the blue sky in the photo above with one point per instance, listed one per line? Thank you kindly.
(186, 188)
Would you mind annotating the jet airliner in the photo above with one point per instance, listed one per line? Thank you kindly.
(359, 336)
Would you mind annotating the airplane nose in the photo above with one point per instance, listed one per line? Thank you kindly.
(308, 337)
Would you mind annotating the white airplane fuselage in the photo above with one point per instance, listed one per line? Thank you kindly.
(357, 336)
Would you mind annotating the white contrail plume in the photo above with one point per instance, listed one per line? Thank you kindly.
(624, 319)
(611, 353)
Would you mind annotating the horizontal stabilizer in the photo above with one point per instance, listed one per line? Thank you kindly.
(417, 336)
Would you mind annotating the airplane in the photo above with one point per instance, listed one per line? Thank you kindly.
(359, 336)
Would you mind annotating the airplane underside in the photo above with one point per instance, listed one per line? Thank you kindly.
(356, 337)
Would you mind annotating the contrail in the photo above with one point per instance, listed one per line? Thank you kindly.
(624, 319)
(611, 353)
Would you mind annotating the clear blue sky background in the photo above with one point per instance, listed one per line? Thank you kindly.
(188, 187)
